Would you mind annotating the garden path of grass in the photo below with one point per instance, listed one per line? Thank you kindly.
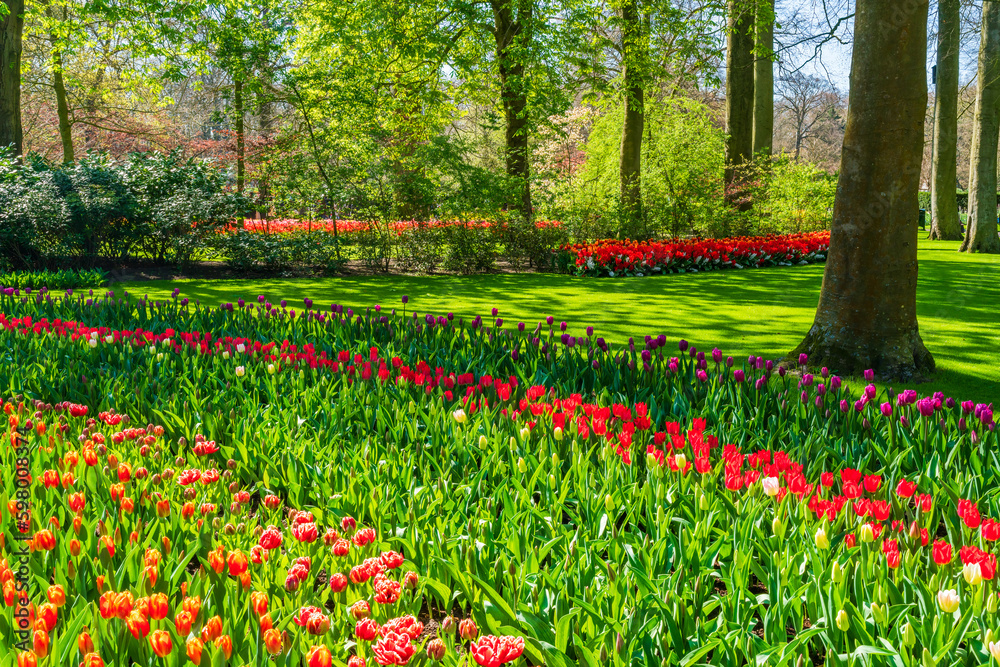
(758, 311)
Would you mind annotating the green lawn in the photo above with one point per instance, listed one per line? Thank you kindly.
(760, 311)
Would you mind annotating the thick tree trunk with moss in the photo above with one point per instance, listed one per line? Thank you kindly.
(945, 223)
(867, 314)
(11, 32)
(513, 35)
(981, 227)
(739, 97)
(763, 82)
(630, 159)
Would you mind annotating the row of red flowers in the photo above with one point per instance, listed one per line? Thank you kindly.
(611, 257)
(290, 225)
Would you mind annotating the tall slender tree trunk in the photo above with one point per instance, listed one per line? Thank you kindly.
(739, 97)
(265, 118)
(513, 35)
(981, 228)
(240, 139)
(945, 223)
(763, 82)
(867, 313)
(11, 32)
(630, 159)
(62, 108)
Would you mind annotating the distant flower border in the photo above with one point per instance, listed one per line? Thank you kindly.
(613, 258)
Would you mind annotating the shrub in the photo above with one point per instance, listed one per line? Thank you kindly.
(162, 207)
(420, 247)
(54, 280)
(471, 248)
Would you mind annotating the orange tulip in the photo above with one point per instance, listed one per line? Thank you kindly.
(183, 621)
(163, 508)
(85, 643)
(194, 648)
(258, 601)
(56, 595)
(161, 643)
(212, 629)
(40, 643)
(238, 563)
(92, 660)
(137, 624)
(272, 641)
(44, 540)
(225, 644)
(49, 614)
(319, 656)
(217, 559)
(192, 605)
(266, 623)
(158, 607)
(27, 659)
(123, 604)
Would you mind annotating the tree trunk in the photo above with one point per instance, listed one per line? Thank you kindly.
(62, 108)
(265, 118)
(739, 97)
(981, 228)
(240, 143)
(512, 38)
(945, 222)
(11, 31)
(630, 160)
(867, 313)
(763, 82)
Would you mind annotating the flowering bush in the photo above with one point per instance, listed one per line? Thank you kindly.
(380, 487)
(639, 258)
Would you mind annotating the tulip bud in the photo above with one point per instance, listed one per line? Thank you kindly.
(703, 503)
(822, 541)
(619, 644)
(909, 636)
(877, 614)
(609, 504)
(866, 533)
(843, 622)
(991, 603)
(927, 660)
(837, 573)
(482, 442)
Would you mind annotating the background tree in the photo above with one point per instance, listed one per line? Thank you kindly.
(867, 313)
(808, 106)
(739, 96)
(763, 79)
(635, 53)
(11, 34)
(945, 223)
(981, 230)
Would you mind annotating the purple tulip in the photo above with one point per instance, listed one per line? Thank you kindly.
(835, 382)
(562, 326)
(871, 392)
(494, 312)
(672, 366)
(950, 403)
(844, 405)
(716, 355)
(549, 320)
(769, 366)
(308, 303)
(702, 376)
(925, 406)
(739, 375)
(803, 359)
(869, 375)
(886, 409)
(683, 345)
(499, 322)
(590, 331)
(781, 371)
(824, 372)
(821, 389)
(760, 383)
(968, 407)
(405, 299)
(729, 362)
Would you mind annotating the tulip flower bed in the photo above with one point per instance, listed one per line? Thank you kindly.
(255, 484)
(644, 258)
(348, 227)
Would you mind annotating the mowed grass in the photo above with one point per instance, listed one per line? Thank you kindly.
(759, 311)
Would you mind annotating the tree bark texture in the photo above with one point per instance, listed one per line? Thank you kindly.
(240, 137)
(62, 107)
(11, 32)
(867, 313)
(945, 223)
(739, 95)
(763, 82)
(981, 226)
(513, 35)
(630, 159)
